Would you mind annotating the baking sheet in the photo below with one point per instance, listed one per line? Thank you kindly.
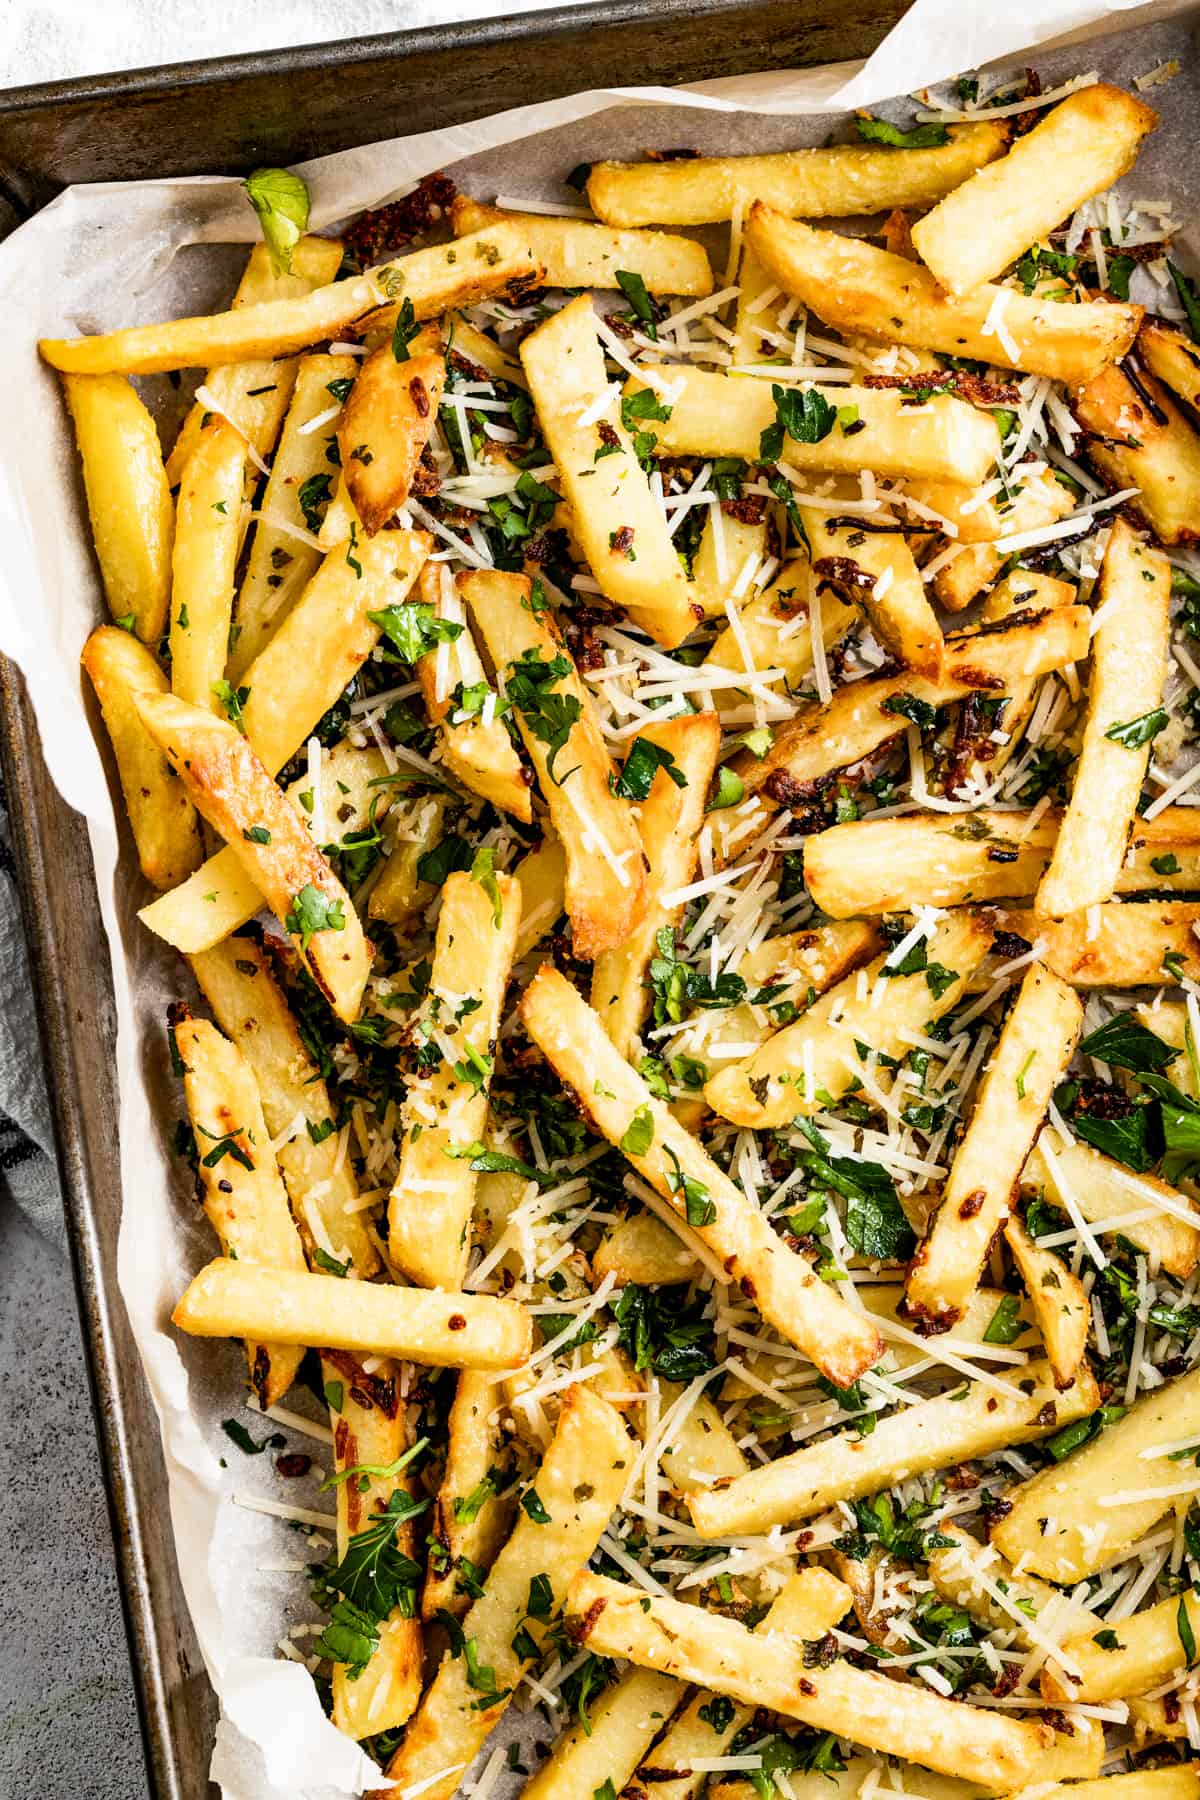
(109, 254)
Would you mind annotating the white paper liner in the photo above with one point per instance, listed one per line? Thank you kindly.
(111, 254)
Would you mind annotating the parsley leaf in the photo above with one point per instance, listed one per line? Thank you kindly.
(876, 1224)
(233, 701)
(483, 870)
(548, 716)
(633, 286)
(404, 330)
(1189, 299)
(641, 765)
(413, 628)
(312, 494)
(313, 911)
(920, 137)
(1136, 732)
(639, 1133)
(281, 201)
(1125, 1043)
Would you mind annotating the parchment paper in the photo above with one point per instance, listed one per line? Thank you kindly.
(108, 255)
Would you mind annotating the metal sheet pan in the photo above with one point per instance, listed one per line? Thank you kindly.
(217, 117)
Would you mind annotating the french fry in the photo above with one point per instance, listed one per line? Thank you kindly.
(237, 980)
(221, 897)
(368, 1429)
(1029, 1061)
(726, 415)
(701, 1447)
(670, 820)
(244, 1198)
(203, 560)
(434, 280)
(1075, 1516)
(401, 894)
(811, 1604)
(877, 569)
(865, 715)
(1058, 1299)
(620, 526)
(1179, 1782)
(976, 758)
(254, 396)
(470, 1521)
(325, 639)
(1129, 667)
(128, 497)
(769, 1669)
(385, 424)
(1146, 1653)
(774, 629)
(831, 182)
(1138, 438)
(471, 346)
(541, 876)
(727, 547)
(449, 1330)
(1138, 945)
(282, 559)
(976, 1577)
(606, 871)
(856, 287)
(925, 859)
(932, 1434)
(479, 752)
(622, 1724)
(576, 1487)
(782, 1284)
(231, 789)
(1042, 500)
(1171, 357)
(817, 1054)
(577, 254)
(1084, 144)
(1102, 1189)
(431, 1203)
(643, 1250)
(162, 818)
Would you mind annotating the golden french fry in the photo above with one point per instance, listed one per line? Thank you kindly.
(725, 415)
(368, 1428)
(1138, 438)
(1043, 500)
(865, 715)
(1029, 1061)
(1084, 144)
(1129, 667)
(433, 1197)
(478, 749)
(449, 1330)
(162, 818)
(254, 396)
(283, 559)
(203, 560)
(670, 820)
(783, 1285)
(817, 1055)
(1113, 945)
(606, 867)
(243, 1195)
(856, 287)
(728, 547)
(932, 1434)
(128, 497)
(1075, 1516)
(237, 980)
(434, 280)
(469, 1521)
(231, 789)
(384, 427)
(1171, 357)
(576, 1487)
(578, 254)
(769, 1669)
(830, 182)
(620, 525)
(1102, 1189)
(775, 627)
(877, 569)
(1057, 1297)
(925, 859)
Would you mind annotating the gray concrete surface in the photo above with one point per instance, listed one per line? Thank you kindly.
(68, 1725)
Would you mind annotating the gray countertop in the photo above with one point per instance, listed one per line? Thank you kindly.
(68, 1724)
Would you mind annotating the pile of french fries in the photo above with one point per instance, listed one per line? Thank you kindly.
(691, 1045)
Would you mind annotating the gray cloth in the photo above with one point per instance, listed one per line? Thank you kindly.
(27, 1167)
